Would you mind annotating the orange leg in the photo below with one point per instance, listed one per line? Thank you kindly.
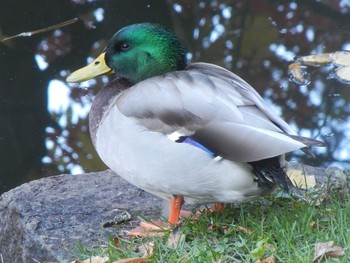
(175, 208)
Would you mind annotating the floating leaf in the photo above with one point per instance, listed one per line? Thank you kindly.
(341, 58)
(327, 249)
(298, 74)
(316, 59)
(343, 74)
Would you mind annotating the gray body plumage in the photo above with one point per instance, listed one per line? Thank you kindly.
(133, 129)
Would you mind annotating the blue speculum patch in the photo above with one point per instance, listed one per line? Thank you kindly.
(189, 140)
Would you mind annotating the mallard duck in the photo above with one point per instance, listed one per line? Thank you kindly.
(193, 133)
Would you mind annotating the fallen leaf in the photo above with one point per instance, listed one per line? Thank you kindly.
(316, 59)
(327, 249)
(343, 73)
(244, 230)
(219, 228)
(93, 260)
(313, 224)
(300, 180)
(150, 228)
(175, 238)
(298, 73)
(146, 249)
(341, 58)
(132, 260)
(115, 241)
(270, 259)
(214, 227)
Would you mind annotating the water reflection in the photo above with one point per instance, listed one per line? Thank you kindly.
(256, 39)
(214, 27)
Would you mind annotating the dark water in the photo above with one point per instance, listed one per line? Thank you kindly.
(43, 127)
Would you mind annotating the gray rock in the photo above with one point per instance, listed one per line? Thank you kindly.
(331, 177)
(42, 221)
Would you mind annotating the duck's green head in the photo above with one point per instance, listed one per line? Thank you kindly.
(136, 52)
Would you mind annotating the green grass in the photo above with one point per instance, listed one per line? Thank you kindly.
(287, 228)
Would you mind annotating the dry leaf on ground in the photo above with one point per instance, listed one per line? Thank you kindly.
(300, 180)
(244, 230)
(175, 238)
(270, 259)
(315, 225)
(93, 260)
(147, 249)
(132, 260)
(327, 249)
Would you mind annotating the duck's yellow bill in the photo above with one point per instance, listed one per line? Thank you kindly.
(97, 68)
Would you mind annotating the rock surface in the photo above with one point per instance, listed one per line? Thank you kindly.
(42, 221)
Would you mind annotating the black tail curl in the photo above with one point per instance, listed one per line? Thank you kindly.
(269, 172)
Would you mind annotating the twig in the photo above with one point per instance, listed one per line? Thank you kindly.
(42, 30)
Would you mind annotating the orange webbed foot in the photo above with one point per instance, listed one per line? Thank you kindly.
(158, 228)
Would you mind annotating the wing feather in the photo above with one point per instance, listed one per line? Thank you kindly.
(216, 107)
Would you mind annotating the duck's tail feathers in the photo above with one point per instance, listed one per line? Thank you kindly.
(270, 173)
(309, 143)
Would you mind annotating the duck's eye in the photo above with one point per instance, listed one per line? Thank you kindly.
(124, 46)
